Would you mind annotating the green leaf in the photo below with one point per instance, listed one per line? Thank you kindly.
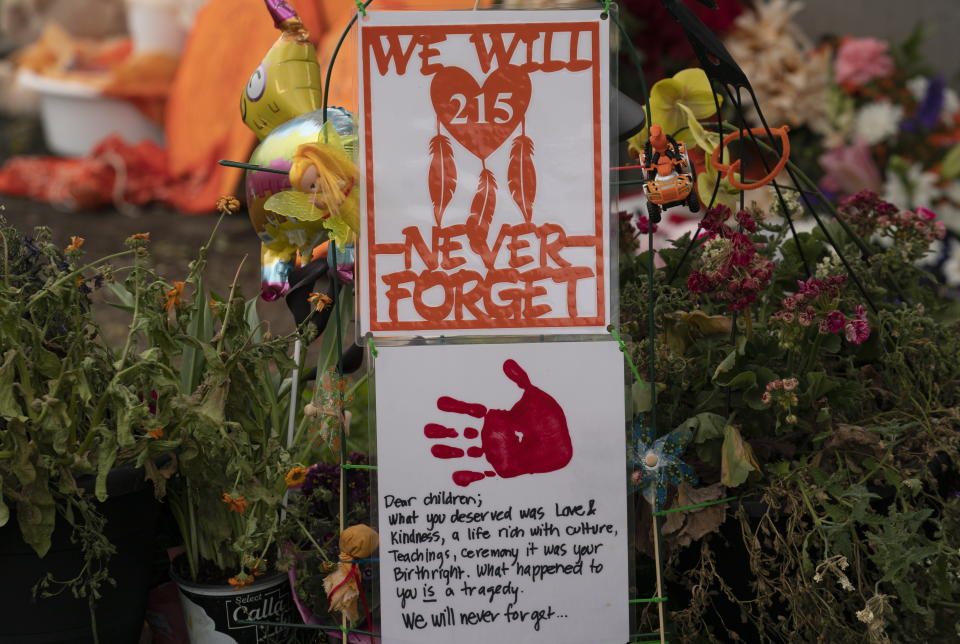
(950, 166)
(4, 510)
(106, 456)
(819, 384)
(37, 514)
(253, 319)
(737, 458)
(743, 380)
(725, 365)
(831, 343)
(704, 427)
(9, 407)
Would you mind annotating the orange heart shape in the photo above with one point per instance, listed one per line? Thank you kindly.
(481, 117)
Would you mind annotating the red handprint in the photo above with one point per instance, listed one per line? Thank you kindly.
(531, 438)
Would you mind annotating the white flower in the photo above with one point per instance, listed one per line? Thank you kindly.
(918, 87)
(951, 105)
(951, 267)
(876, 122)
(918, 189)
(866, 616)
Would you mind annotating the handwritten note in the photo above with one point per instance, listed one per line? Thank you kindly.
(533, 547)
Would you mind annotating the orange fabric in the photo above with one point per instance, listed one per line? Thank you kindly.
(228, 40)
(116, 172)
(144, 80)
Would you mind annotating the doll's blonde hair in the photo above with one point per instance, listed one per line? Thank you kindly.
(333, 167)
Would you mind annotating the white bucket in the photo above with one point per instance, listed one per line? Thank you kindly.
(155, 25)
(76, 117)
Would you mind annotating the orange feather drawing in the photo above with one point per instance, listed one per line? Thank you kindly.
(442, 178)
(485, 201)
(522, 176)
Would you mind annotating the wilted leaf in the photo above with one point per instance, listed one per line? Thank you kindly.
(856, 438)
(690, 525)
(159, 475)
(737, 459)
(683, 328)
(640, 396)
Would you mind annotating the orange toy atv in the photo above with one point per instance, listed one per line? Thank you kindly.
(671, 177)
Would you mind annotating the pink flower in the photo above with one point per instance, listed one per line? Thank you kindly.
(857, 331)
(926, 214)
(790, 384)
(835, 321)
(790, 303)
(746, 220)
(861, 60)
(765, 398)
(850, 170)
(643, 224)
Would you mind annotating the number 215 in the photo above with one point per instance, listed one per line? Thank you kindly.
(501, 104)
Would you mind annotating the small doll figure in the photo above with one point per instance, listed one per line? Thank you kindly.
(325, 183)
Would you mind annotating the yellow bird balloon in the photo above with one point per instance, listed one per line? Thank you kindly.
(320, 198)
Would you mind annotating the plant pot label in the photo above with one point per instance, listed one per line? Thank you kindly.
(514, 526)
(216, 615)
(485, 156)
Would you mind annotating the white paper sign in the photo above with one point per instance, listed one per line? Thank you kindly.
(484, 173)
(502, 494)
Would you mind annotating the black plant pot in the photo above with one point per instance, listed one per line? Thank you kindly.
(131, 513)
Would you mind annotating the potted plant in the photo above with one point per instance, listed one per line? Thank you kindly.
(232, 407)
(835, 423)
(81, 437)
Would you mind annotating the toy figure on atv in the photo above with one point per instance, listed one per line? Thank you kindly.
(671, 177)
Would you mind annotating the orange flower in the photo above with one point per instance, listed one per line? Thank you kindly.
(319, 301)
(237, 503)
(173, 297)
(228, 205)
(156, 432)
(75, 243)
(241, 580)
(296, 476)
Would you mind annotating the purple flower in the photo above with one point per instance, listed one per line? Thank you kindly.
(928, 110)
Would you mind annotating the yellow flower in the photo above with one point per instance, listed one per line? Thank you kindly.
(173, 297)
(75, 243)
(675, 102)
(296, 476)
(727, 195)
(140, 236)
(319, 301)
